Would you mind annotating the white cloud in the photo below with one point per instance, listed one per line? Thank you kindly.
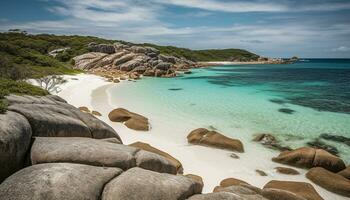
(341, 49)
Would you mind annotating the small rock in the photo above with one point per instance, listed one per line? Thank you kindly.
(233, 155)
(130, 119)
(286, 110)
(96, 113)
(286, 170)
(260, 172)
(84, 109)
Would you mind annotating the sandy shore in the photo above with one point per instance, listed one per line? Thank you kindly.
(212, 165)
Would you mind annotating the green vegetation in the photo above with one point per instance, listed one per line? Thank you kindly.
(8, 86)
(206, 55)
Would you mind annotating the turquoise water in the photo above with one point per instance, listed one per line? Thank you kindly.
(296, 102)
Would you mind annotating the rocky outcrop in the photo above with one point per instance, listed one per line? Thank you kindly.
(146, 61)
(330, 181)
(15, 136)
(57, 181)
(229, 182)
(301, 189)
(138, 183)
(171, 159)
(130, 119)
(103, 48)
(203, 136)
(83, 167)
(309, 157)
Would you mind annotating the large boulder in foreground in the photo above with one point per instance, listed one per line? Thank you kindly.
(309, 157)
(205, 137)
(148, 147)
(302, 189)
(15, 136)
(130, 119)
(49, 116)
(56, 181)
(138, 183)
(330, 181)
(96, 152)
(82, 150)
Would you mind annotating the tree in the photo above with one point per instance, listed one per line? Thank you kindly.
(51, 83)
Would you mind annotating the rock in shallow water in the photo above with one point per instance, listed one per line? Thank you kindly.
(137, 183)
(345, 172)
(203, 136)
(56, 181)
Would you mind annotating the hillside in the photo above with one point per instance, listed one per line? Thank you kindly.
(29, 53)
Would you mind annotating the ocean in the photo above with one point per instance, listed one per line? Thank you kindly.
(296, 102)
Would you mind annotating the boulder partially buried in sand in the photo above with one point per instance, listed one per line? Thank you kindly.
(131, 120)
(302, 189)
(138, 183)
(148, 147)
(330, 181)
(56, 181)
(205, 137)
(309, 157)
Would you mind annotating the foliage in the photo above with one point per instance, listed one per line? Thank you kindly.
(206, 55)
(8, 86)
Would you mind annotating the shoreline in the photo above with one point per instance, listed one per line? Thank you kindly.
(213, 165)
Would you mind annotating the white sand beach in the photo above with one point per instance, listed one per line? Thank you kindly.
(213, 165)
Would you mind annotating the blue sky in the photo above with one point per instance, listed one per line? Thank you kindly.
(276, 28)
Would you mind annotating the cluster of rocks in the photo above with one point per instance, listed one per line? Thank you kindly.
(327, 170)
(131, 60)
(234, 189)
(52, 150)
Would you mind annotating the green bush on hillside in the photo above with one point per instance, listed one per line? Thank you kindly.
(8, 86)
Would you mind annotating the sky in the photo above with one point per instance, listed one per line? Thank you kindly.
(274, 28)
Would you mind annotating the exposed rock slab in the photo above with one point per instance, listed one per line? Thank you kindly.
(205, 137)
(130, 119)
(309, 157)
(302, 189)
(56, 181)
(49, 116)
(15, 136)
(83, 151)
(138, 183)
(154, 162)
(148, 147)
(330, 181)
